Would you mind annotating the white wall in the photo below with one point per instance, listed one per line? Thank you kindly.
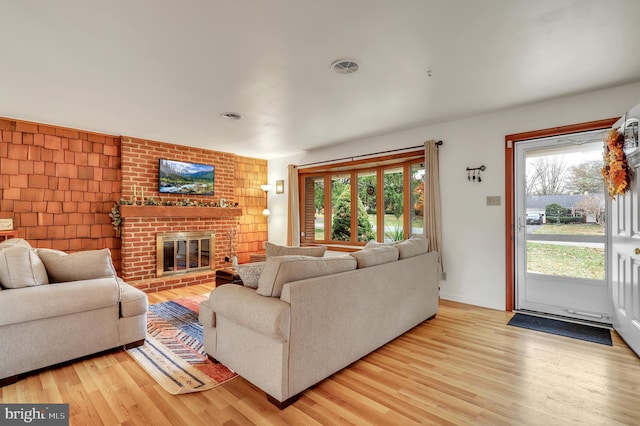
(473, 233)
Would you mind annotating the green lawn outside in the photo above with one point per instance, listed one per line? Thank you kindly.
(391, 222)
(567, 261)
(575, 229)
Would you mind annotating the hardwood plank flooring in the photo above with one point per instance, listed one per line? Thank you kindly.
(466, 366)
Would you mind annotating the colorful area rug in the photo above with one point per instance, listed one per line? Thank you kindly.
(173, 353)
(562, 328)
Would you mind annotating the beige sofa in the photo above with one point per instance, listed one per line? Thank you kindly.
(309, 317)
(56, 307)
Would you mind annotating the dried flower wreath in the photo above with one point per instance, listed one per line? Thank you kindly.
(616, 171)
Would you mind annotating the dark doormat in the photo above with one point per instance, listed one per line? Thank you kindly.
(562, 328)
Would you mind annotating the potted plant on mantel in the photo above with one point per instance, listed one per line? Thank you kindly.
(150, 207)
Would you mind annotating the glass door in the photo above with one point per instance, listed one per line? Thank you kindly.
(561, 235)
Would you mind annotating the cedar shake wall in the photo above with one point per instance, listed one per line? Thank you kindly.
(252, 232)
(59, 186)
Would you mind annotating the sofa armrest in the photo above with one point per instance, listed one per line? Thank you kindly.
(268, 316)
(206, 316)
(133, 301)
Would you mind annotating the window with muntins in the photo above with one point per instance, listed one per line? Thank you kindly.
(378, 199)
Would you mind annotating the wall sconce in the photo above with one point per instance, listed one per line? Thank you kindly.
(266, 188)
(280, 187)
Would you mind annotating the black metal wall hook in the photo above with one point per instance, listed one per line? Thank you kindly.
(476, 173)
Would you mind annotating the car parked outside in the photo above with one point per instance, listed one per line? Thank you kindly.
(534, 219)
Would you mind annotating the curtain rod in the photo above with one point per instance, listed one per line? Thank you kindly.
(438, 143)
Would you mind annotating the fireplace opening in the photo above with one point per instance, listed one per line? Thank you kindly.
(182, 252)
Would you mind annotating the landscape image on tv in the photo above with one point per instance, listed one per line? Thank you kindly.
(179, 177)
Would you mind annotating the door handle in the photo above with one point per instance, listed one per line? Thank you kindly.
(637, 250)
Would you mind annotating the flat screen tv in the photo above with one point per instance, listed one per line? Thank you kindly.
(179, 177)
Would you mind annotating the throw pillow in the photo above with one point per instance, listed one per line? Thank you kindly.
(21, 267)
(375, 256)
(250, 273)
(413, 247)
(276, 250)
(280, 270)
(83, 265)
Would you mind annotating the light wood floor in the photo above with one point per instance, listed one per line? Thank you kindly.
(464, 367)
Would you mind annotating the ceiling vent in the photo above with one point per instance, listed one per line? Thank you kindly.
(345, 66)
(231, 115)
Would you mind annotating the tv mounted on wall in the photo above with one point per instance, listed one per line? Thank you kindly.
(180, 177)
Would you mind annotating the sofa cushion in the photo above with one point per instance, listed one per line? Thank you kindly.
(376, 256)
(250, 273)
(21, 267)
(414, 246)
(83, 265)
(276, 250)
(49, 301)
(374, 243)
(279, 270)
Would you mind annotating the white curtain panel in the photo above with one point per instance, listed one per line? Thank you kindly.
(432, 205)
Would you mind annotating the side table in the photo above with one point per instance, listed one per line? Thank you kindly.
(227, 276)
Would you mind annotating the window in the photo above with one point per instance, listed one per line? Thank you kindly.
(393, 204)
(314, 202)
(367, 207)
(350, 204)
(416, 206)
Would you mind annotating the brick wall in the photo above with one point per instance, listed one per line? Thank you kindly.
(234, 177)
(139, 250)
(140, 168)
(59, 186)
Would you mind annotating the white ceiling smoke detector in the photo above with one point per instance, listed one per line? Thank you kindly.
(345, 66)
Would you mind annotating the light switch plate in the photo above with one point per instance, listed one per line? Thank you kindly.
(494, 200)
(6, 224)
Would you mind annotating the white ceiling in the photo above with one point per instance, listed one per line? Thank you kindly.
(165, 69)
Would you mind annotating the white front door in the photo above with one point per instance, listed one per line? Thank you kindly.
(625, 256)
(561, 234)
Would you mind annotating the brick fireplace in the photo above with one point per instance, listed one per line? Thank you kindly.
(142, 224)
(236, 179)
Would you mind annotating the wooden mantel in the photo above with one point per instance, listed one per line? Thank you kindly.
(179, 211)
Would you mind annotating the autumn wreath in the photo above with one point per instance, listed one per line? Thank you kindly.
(615, 171)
